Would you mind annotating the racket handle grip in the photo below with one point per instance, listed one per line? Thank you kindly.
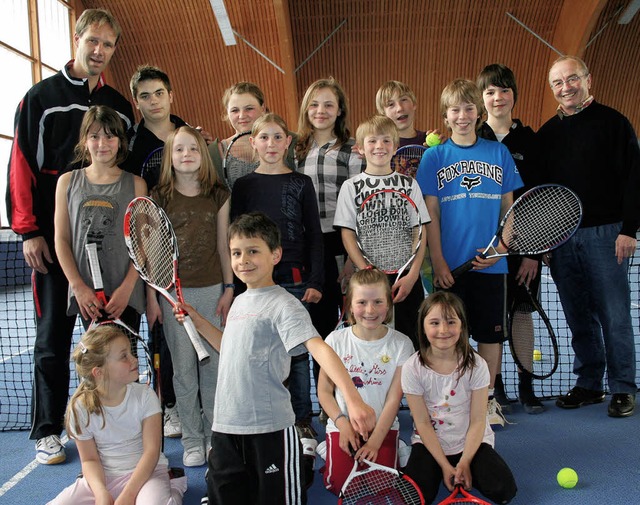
(465, 267)
(194, 336)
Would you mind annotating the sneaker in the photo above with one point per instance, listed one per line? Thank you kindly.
(323, 417)
(528, 399)
(579, 397)
(172, 426)
(321, 450)
(503, 400)
(494, 413)
(309, 443)
(622, 405)
(404, 451)
(50, 450)
(500, 395)
(193, 456)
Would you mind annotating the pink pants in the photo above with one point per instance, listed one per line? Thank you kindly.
(339, 464)
(158, 490)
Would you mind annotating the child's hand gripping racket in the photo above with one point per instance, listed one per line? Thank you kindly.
(389, 231)
(370, 483)
(240, 159)
(532, 340)
(455, 498)
(153, 248)
(543, 218)
(407, 159)
(104, 319)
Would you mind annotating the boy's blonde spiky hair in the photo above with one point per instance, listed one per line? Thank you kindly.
(377, 125)
(390, 88)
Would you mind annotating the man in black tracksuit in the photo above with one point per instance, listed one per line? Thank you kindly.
(47, 125)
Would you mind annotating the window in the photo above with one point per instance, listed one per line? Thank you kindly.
(31, 50)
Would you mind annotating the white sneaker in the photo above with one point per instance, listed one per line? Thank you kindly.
(172, 426)
(50, 450)
(321, 450)
(494, 413)
(193, 457)
(404, 451)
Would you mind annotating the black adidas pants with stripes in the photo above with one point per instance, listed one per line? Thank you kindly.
(262, 469)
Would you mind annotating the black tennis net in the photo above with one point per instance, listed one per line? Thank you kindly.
(17, 333)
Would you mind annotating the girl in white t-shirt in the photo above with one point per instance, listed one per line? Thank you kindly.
(446, 385)
(373, 355)
(117, 426)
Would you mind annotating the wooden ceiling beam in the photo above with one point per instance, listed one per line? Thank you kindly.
(572, 33)
(285, 38)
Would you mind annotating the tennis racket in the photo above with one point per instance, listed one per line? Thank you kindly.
(389, 231)
(103, 319)
(153, 248)
(152, 167)
(239, 160)
(532, 341)
(455, 498)
(407, 159)
(543, 218)
(373, 484)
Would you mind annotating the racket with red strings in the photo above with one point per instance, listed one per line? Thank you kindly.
(153, 249)
(373, 484)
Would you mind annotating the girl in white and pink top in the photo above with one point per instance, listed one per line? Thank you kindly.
(117, 426)
(446, 385)
(373, 354)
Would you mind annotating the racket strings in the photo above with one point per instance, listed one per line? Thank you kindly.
(388, 230)
(542, 220)
(153, 244)
(407, 159)
(380, 487)
(523, 336)
(241, 159)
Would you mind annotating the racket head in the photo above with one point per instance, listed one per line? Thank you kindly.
(407, 159)
(455, 499)
(151, 242)
(388, 230)
(370, 483)
(542, 219)
(152, 167)
(139, 347)
(240, 159)
(530, 332)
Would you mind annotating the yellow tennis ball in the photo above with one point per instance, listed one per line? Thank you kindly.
(567, 478)
(432, 140)
(537, 355)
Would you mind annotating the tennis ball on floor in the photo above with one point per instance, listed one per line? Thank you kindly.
(432, 140)
(567, 478)
(537, 355)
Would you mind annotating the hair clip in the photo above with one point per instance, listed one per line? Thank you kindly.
(83, 348)
(369, 267)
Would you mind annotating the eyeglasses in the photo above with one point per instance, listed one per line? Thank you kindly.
(571, 80)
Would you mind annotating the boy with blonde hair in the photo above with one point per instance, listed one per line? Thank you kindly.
(398, 102)
(468, 184)
(377, 141)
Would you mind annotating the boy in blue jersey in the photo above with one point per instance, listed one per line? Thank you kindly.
(468, 184)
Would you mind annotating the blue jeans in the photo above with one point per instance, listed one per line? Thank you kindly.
(595, 296)
(300, 376)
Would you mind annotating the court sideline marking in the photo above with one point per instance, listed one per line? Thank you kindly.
(24, 472)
